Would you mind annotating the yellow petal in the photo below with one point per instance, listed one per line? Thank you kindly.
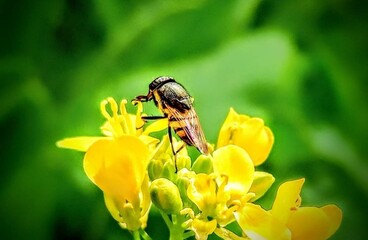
(117, 166)
(203, 228)
(145, 203)
(114, 206)
(260, 224)
(156, 126)
(78, 143)
(334, 215)
(261, 183)
(235, 163)
(309, 223)
(286, 199)
(224, 233)
(149, 140)
(202, 191)
(255, 138)
(248, 133)
(227, 128)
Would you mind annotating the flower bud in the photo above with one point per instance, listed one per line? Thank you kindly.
(203, 164)
(168, 171)
(155, 168)
(183, 183)
(183, 161)
(248, 133)
(165, 195)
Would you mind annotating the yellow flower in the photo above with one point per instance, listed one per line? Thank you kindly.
(200, 225)
(203, 228)
(230, 182)
(202, 191)
(235, 163)
(287, 220)
(304, 222)
(117, 124)
(257, 223)
(117, 166)
(248, 133)
(117, 162)
(130, 215)
(220, 194)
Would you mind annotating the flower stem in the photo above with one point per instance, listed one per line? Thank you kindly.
(144, 235)
(175, 225)
(136, 235)
(167, 220)
(177, 231)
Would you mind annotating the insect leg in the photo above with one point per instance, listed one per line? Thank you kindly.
(145, 118)
(180, 148)
(172, 146)
(152, 117)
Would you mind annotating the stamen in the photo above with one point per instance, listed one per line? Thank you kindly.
(113, 119)
(138, 120)
(113, 106)
(130, 124)
(103, 109)
(221, 188)
(234, 207)
(125, 118)
(187, 211)
(298, 202)
(122, 107)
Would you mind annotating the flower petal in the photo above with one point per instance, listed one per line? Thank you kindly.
(261, 183)
(235, 163)
(202, 191)
(117, 166)
(286, 199)
(334, 215)
(255, 138)
(227, 127)
(78, 143)
(203, 228)
(249, 133)
(156, 126)
(260, 224)
(309, 223)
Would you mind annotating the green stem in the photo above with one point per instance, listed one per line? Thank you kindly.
(144, 235)
(167, 220)
(175, 225)
(188, 234)
(177, 231)
(136, 235)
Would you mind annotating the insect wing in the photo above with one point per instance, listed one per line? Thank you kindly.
(188, 123)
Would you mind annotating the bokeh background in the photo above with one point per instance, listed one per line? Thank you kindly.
(300, 65)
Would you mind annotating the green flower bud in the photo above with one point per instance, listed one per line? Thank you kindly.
(168, 170)
(183, 161)
(155, 168)
(203, 164)
(165, 195)
(182, 186)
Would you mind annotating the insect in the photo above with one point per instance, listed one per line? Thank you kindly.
(176, 104)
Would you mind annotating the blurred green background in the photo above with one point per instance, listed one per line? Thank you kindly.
(300, 65)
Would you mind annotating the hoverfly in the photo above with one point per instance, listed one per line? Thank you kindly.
(176, 104)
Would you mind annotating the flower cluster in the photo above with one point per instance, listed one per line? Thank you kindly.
(196, 198)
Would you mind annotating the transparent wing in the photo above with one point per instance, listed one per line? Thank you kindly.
(186, 125)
